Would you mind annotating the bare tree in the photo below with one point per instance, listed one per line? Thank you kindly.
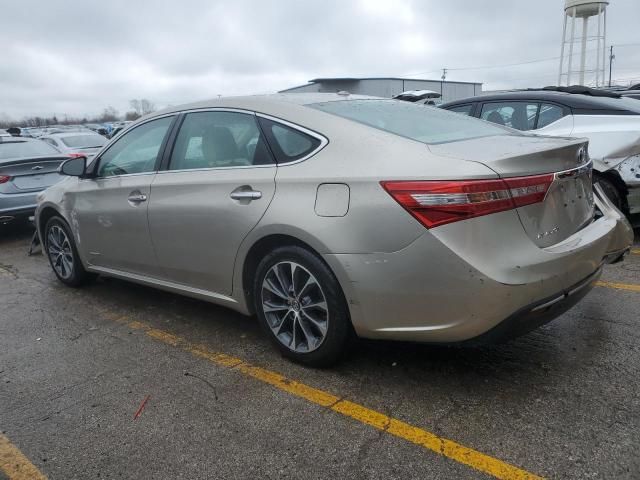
(131, 116)
(142, 106)
(109, 114)
(147, 106)
(135, 104)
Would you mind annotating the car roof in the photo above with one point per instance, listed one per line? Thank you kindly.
(266, 102)
(571, 100)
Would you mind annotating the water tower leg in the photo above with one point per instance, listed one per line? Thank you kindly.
(598, 47)
(604, 45)
(564, 39)
(583, 49)
(573, 30)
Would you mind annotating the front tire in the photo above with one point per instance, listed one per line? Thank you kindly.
(60, 248)
(301, 306)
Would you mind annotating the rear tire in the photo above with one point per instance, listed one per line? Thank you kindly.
(301, 307)
(610, 190)
(60, 248)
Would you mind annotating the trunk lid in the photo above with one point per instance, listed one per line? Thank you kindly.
(30, 174)
(568, 205)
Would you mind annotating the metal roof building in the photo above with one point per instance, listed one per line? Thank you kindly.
(388, 87)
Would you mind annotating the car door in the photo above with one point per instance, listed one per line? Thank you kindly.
(110, 209)
(217, 184)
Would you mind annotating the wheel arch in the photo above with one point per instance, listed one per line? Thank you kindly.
(614, 177)
(261, 247)
(45, 213)
(254, 250)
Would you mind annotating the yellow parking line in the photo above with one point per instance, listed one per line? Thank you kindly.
(620, 286)
(380, 421)
(635, 251)
(14, 464)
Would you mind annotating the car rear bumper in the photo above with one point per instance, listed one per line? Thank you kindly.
(17, 204)
(537, 314)
(464, 280)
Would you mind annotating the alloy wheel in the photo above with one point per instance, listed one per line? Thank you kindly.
(60, 252)
(295, 307)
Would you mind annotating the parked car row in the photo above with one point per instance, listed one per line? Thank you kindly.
(332, 214)
(610, 121)
(105, 129)
(29, 165)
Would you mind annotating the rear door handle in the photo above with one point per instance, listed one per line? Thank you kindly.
(246, 195)
(137, 197)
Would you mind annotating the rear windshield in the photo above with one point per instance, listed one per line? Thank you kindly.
(629, 104)
(418, 122)
(84, 141)
(26, 149)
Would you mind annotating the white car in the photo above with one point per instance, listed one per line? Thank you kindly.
(610, 121)
(427, 97)
(80, 142)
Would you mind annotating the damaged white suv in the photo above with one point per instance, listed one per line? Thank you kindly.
(610, 121)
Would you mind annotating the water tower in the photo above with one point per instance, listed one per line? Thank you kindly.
(591, 16)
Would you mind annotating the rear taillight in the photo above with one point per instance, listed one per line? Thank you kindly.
(4, 178)
(436, 203)
(76, 155)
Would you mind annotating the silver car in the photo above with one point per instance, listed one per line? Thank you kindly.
(328, 214)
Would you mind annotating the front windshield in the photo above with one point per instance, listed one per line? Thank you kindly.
(418, 122)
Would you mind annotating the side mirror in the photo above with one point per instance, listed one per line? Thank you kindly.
(74, 167)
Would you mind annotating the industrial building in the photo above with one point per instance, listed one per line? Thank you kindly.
(389, 86)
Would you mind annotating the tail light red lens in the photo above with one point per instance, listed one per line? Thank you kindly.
(4, 178)
(76, 155)
(435, 203)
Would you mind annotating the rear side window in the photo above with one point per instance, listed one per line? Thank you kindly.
(518, 115)
(463, 109)
(288, 144)
(549, 114)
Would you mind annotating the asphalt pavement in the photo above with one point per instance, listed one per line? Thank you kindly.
(117, 380)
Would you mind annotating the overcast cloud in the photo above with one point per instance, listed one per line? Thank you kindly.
(77, 57)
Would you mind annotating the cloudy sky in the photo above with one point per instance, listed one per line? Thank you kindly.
(77, 57)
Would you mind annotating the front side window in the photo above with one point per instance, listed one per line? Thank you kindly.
(518, 115)
(463, 109)
(218, 140)
(424, 124)
(137, 151)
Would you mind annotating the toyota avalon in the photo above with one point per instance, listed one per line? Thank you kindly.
(332, 214)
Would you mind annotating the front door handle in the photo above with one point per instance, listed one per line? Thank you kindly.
(247, 195)
(137, 197)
